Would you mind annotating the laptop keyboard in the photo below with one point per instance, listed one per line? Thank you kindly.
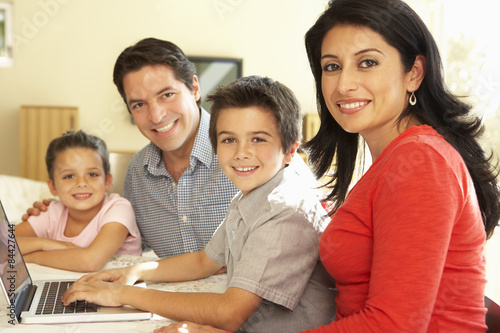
(50, 301)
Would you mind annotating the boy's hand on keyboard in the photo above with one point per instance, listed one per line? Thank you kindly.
(120, 275)
(126, 275)
(99, 292)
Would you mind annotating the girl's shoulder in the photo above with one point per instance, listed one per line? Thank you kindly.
(112, 199)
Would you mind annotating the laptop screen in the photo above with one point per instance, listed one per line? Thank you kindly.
(15, 277)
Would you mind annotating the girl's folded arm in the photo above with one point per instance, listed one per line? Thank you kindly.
(33, 244)
(109, 239)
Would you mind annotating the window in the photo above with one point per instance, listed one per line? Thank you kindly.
(469, 50)
(6, 41)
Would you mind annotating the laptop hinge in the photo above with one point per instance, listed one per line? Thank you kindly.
(29, 297)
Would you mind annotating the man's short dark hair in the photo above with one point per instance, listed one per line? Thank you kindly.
(153, 52)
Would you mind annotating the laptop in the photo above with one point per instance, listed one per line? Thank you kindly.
(26, 299)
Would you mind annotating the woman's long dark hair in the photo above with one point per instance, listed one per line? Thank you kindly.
(403, 29)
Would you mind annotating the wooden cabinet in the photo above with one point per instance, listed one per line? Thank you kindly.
(38, 126)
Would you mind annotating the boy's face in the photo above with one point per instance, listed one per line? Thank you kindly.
(80, 180)
(249, 147)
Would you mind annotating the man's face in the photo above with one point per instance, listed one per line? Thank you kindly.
(163, 107)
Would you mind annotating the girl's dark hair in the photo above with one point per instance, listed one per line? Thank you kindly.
(72, 139)
(403, 29)
(153, 52)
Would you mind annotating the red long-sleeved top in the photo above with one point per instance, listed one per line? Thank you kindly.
(406, 246)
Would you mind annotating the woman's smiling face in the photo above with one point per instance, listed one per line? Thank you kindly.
(363, 82)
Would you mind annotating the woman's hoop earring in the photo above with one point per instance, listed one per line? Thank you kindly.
(413, 98)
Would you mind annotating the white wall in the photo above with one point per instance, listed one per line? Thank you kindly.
(65, 51)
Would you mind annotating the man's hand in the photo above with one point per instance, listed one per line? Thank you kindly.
(187, 327)
(37, 208)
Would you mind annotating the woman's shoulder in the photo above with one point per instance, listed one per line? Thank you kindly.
(420, 135)
(422, 151)
(423, 140)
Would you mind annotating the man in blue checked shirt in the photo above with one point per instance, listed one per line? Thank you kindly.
(175, 184)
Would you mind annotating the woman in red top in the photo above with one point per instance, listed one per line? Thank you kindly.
(405, 244)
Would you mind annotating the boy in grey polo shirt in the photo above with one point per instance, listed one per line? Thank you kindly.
(268, 240)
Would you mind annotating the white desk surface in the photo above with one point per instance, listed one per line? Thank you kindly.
(216, 283)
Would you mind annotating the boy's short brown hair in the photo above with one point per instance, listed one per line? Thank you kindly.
(261, 92)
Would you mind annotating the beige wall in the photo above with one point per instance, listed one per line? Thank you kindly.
(65, 51)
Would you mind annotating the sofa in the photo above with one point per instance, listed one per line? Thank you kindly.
(17, 194)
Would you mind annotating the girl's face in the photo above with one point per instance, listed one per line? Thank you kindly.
(249, 147)
(363, 83)
(80, 180)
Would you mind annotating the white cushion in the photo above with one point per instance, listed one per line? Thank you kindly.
(18, 194)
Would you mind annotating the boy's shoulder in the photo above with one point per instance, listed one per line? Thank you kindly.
(297, 194)
(292, 194)
(297, 182)
(296, 191)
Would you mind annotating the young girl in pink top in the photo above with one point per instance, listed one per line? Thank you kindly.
(87, 226)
